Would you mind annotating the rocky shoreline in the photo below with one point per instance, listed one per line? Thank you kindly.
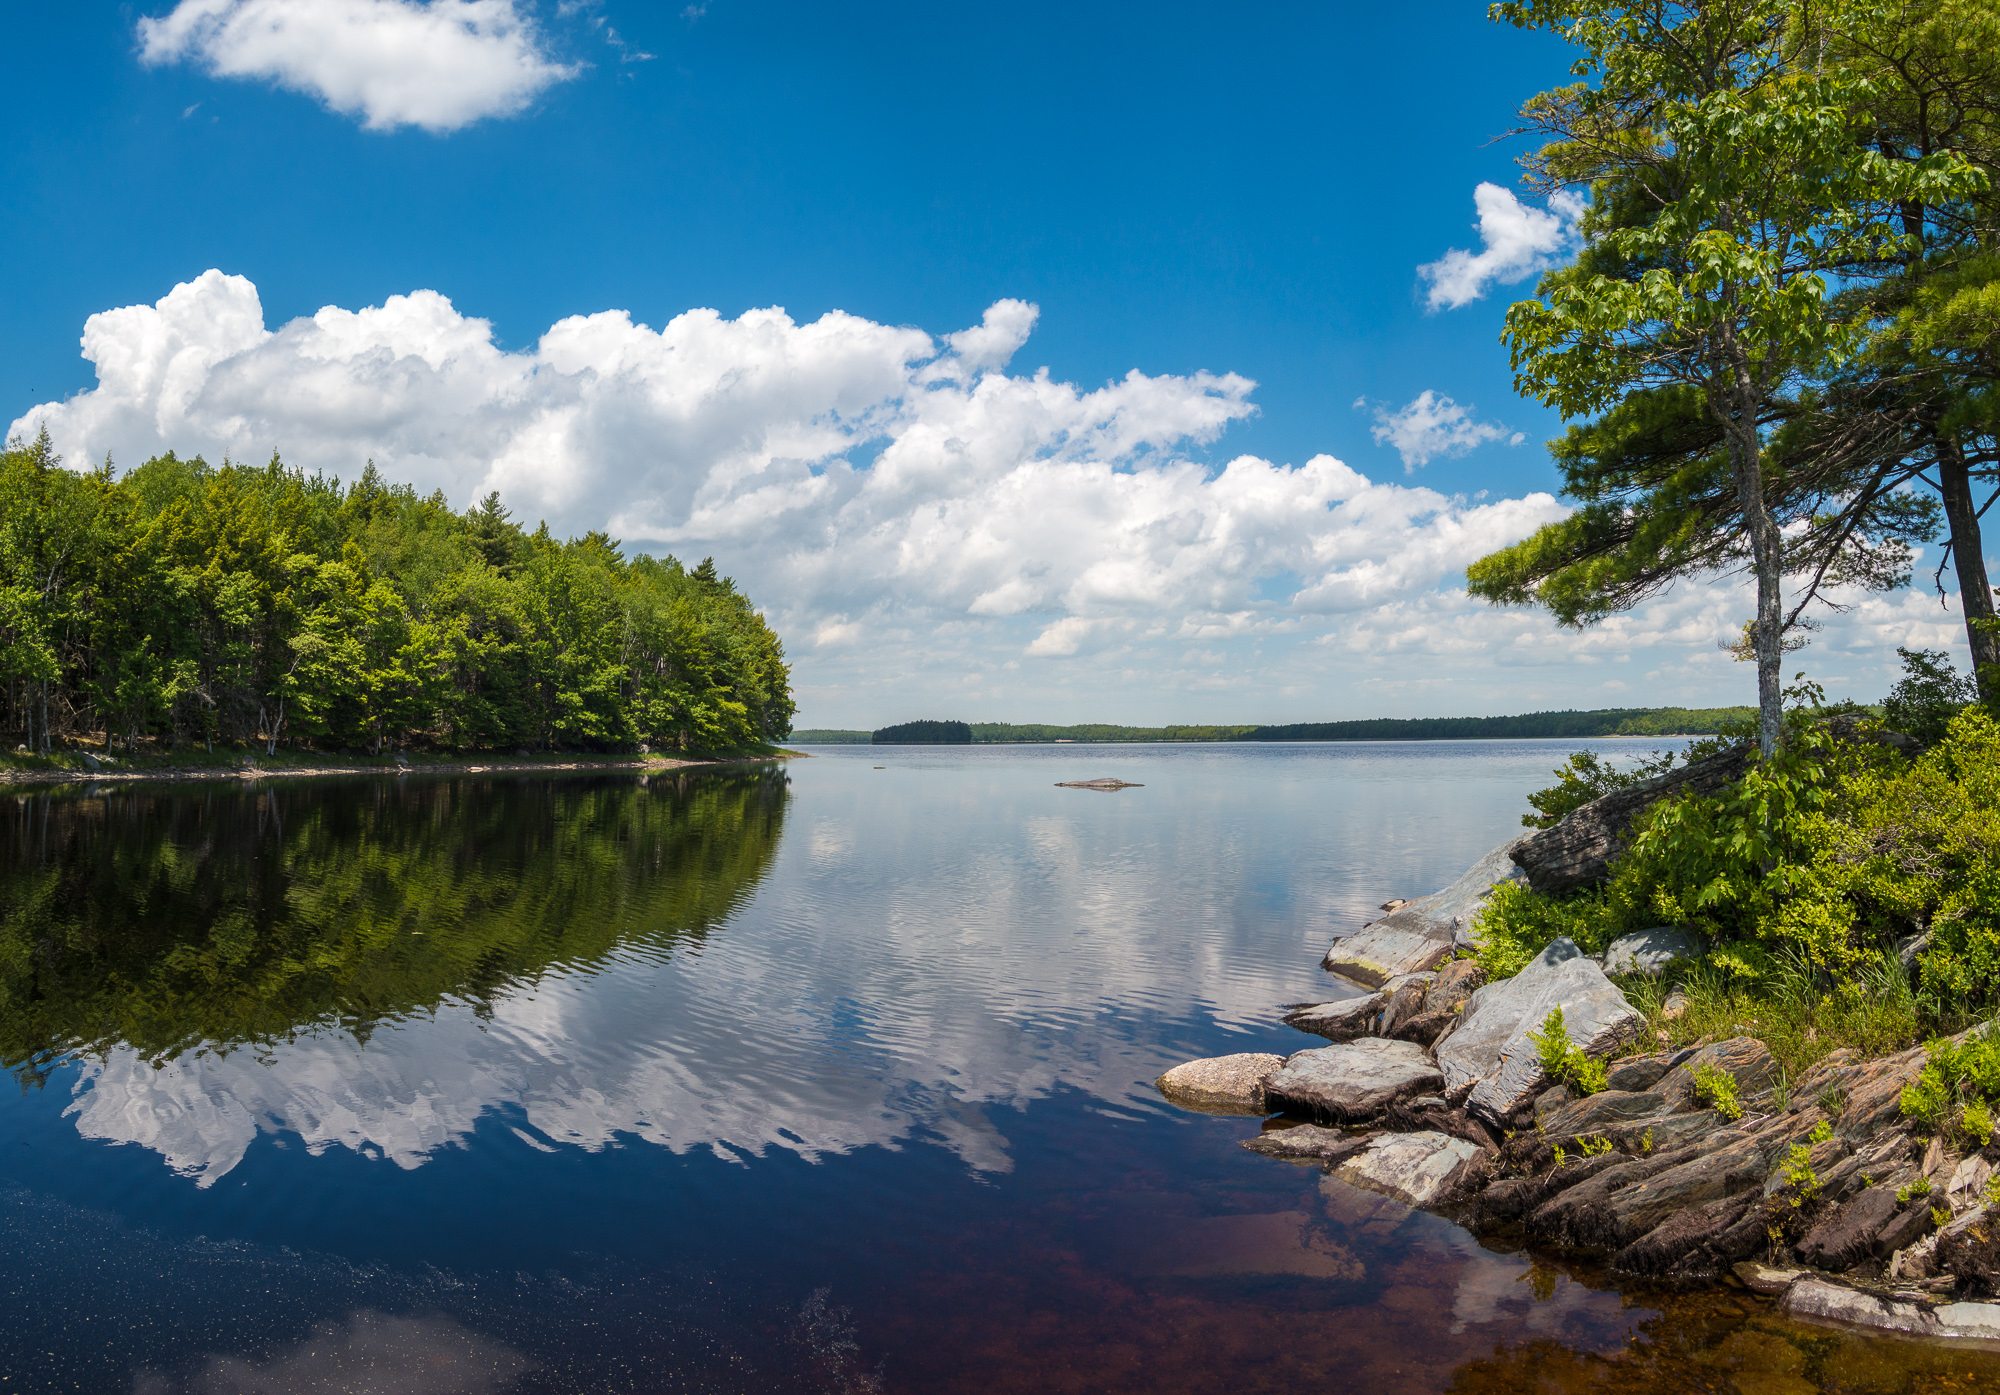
(94, 769)
(1698, 1165)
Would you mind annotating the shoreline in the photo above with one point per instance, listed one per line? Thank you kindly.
(248, 771)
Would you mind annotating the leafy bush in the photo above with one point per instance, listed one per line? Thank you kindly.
(1967, 1069)
(1717, 1087)
(1565, 1062)
(1930, 694)
(1586, 776)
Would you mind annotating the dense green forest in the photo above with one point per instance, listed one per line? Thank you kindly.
(1617, 721)
(187, 604)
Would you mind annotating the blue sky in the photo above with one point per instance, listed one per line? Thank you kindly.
(1176, 188)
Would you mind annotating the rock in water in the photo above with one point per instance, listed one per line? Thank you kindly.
(1220, 1084)
(1447, 915)
(1103, 784)
(1375, 955)
(1414, 1168)
(1489, 1060)
(1354, 1082)
(1305, 1141)
(1342, 1021)
(1650, 951)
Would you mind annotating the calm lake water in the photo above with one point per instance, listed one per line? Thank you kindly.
(817, 1076)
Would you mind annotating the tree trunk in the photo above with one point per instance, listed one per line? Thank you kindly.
(1745, 456)
(1975, 594)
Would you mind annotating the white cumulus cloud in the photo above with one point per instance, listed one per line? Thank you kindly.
(1429, 426)
(927, 526)
(1518, 241)
(438, 64)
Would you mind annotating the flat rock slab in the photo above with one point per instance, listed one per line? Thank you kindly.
(1305, 1141)
(1489, 1060)
(1220, 1084)
(1104, 784)
(1650, 951)
(1817, 1300)
(1449, 914)
(1373, 956)
(1342, 1021)
(1354, 1082)
(1413, 1168)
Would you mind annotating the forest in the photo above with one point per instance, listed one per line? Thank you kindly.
(182, 604)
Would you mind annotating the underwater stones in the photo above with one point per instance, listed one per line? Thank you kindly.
(1413, 1168)
(1489, 1061)
(1342, 1021)
(1373, 956)
(1353, 1082)
(1305, 1141)
(1220, 1084)
(1650, 951)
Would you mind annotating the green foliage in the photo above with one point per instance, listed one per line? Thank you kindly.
(1586, 776)
(925, 734)
(1967, 1069)
(1800, 1177)
(1913, 1190)
(1717, 1088)
(1976, 1121)
(1929, 695)
(1564, 1061)
(1821, 1132)
(186, 603)
(1615, 721)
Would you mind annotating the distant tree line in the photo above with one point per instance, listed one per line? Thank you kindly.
(924, 734)
(1614, 721)
(1650, 721)
(188, 603)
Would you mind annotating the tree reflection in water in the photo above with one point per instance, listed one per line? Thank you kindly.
(168, 920)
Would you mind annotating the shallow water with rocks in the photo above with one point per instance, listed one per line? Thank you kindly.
(808, 1077)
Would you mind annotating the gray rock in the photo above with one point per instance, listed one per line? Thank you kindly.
(1578, 850)
(1220, 1084)
(1448, 914)
(1765, 1279)
(1819, 1300)
(1489, 1061)
(1305, 1141)
(91, 762)
(1379, 953)
(1644, 1072)
(1650, 951)
(1406, 1001)
(1453, 986)
(1354, 1082)
(1342, 1021)
(1413, 1168)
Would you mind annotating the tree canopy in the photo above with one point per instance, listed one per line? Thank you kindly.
(188, 603)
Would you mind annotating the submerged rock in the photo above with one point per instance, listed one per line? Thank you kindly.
(1381, 952)
(1650, 951)
(1489, 1061)
(1342, 1021)
(1413, 1168)
(1105, 783)
(1354, 1082)
(1220, 1084)
(1306, 1141)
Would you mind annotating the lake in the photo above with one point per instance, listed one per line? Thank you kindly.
(828, 1075)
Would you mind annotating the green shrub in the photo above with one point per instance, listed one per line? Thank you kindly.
(1583, 777)
(1968, 1069)
(1563, 1061)
(1717, 1088)
(1930, 694)
(1800, 1177)
(1913, 1189)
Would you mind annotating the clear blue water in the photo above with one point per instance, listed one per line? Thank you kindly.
(815, 1077)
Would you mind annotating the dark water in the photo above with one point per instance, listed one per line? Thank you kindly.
(812, 1077)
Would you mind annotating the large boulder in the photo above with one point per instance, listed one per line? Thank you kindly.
(1650, 951)
(1489, 1061)
(1373, 956)
(1352, 1083)
(1413, 1168)
(1579, 848)
(1220, 1084)
(1339, 1021)
(1447, 915)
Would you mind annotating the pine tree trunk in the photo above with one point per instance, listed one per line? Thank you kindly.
(1975, 594)
(1766, 551)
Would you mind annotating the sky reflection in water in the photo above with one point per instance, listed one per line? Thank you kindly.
(815, 1077)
